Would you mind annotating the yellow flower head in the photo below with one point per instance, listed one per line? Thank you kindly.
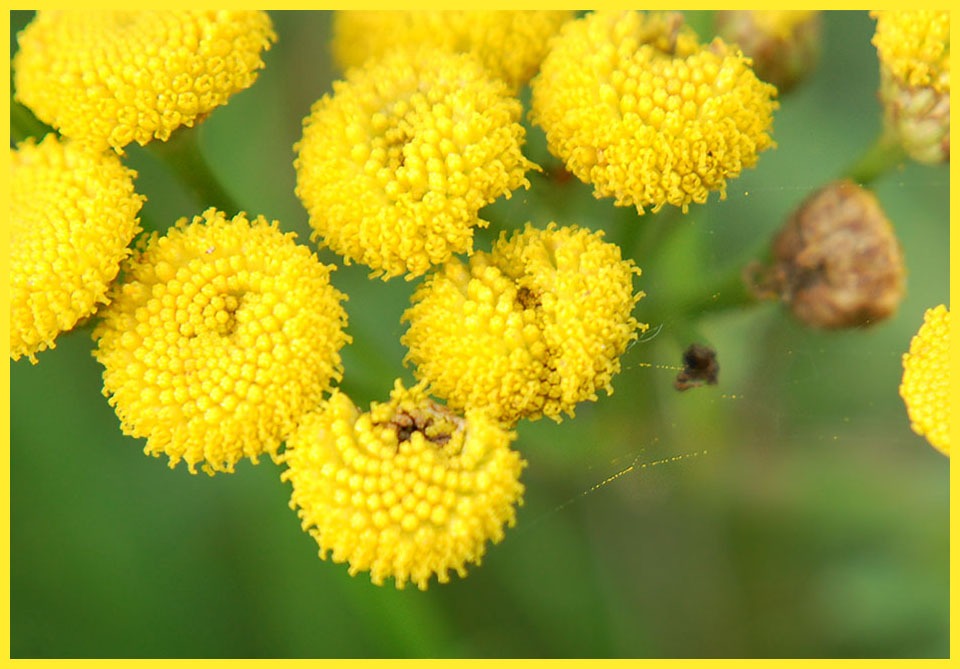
(925, 387)
(511, 44)
(394, 166)
(528, 330)
(635, 106)
(111, 78)
(73, 214)
(221, 336)
(407, 490)
(914, 45)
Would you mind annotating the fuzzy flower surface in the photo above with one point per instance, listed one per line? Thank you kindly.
(407, 490)
(73, 214)
(528, 330)
(635, 106)
(395, 164)
(115, 77)
(914, 45)
(925, 386)
(222, 335)
(510, 44)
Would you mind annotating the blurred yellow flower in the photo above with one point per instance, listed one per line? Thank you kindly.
(73, 214)
(395, 164)
(510, 44)
(635, 106)
(407, 490)
(783, 44)
(528, 330)
(914, 45)
(114, 77)
(223, 333)
(914, 51)
(925, 387)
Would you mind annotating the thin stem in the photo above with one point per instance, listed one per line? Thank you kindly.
(182, 153)
(884, 154)
(729, 293)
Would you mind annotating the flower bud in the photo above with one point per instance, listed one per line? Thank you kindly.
(837, 261)
(920, 118)
(913, 47)
(784, 45)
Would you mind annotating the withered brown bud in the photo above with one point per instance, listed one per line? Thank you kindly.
(837, 261)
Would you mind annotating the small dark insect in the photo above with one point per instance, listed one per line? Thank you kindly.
(699, 366)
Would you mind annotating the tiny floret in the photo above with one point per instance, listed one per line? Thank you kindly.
(510, 44)
(528, 330)
(110, 78)
(634, 105)
(925, 387)
(73, 214)
(395, 164)
(223, 333)
(408, 490)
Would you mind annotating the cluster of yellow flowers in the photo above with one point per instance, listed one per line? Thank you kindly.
(221, 339)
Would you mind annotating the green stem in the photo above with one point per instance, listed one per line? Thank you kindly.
(182, 153)
(884, 154)
(730, 292)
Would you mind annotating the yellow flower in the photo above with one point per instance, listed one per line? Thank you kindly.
(914, 51)
(73, 214)
(407, 490)
(635, 106)
(394, 166)
(221, 336)
(111, 78)
(510, 43)
(915, 46)
(530, 329)
(925, 387)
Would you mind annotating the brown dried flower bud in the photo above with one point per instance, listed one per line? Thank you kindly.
(837, 261)
(784, 45)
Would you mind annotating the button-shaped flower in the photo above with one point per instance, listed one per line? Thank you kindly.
(510, 44)
(914, 45)
(632, 104)
(73, 214)
(395, 164)
(114, 77)
(223, 333)
(925, 387)
(407, 490)
(530, 329)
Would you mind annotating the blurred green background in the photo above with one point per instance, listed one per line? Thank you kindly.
(806, 519)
